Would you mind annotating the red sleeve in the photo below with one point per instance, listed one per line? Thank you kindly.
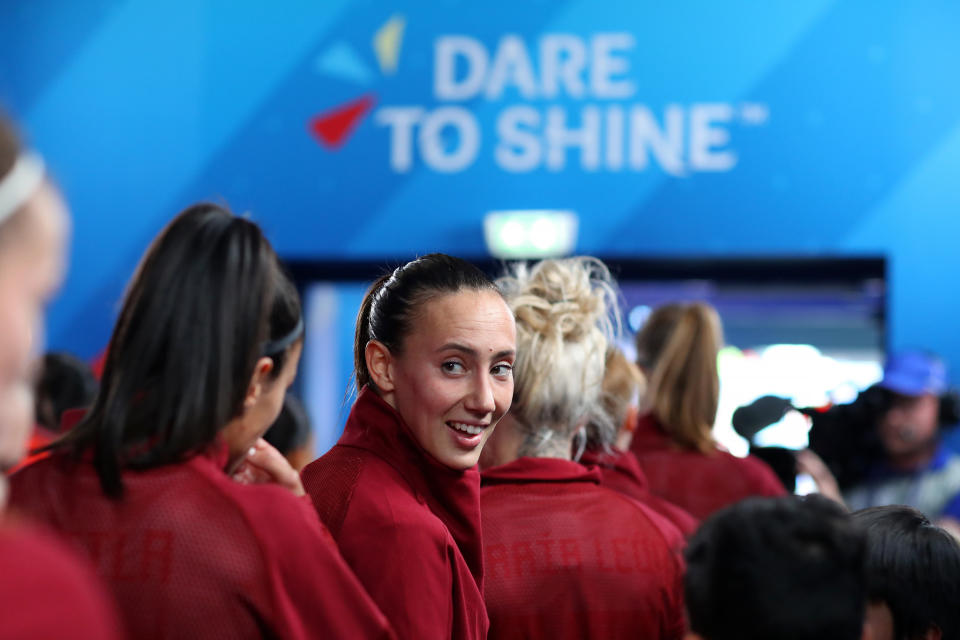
(675, 623)
(48, 592)
(315, 593)
(407, 569)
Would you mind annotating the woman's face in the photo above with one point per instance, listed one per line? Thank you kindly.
(31, 268)
(261, 410)
(453, 380)
(16, 423)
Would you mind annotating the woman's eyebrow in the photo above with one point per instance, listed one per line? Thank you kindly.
(456, 346)
(470, 351)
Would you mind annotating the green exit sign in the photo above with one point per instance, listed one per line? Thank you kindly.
(530, 233)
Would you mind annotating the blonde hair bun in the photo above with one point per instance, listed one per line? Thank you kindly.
(566, 314)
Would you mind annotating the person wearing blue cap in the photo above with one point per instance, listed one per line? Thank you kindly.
(917, 469)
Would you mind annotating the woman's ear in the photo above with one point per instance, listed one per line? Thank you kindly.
(261, 371)
(380, 365)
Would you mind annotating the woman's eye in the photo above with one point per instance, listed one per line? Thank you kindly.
(502, 370)
(453, 367)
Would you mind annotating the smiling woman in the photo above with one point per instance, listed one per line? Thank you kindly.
(434, 353)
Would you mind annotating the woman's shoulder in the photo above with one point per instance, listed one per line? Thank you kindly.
(367, 484)
(762, 476)
(26, 476)
(266, 508)
(752, 473)
(48, 591)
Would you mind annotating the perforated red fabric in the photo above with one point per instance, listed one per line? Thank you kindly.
(620, 471)
(47, 591)
(569, 559)
(331, 493)
(696, 482)
(408, 526)
(188, 553)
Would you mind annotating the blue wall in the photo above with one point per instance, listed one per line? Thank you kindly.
(724, 128)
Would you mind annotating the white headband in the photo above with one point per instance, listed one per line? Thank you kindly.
(20, 183)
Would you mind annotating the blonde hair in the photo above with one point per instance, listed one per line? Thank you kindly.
(566, 318)
(678, 346)
(623, 384)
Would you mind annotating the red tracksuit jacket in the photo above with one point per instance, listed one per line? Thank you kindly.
(696, 482)
(48, 592)
(189, 553)
(567, 558)
(620, 471)
(408, 525)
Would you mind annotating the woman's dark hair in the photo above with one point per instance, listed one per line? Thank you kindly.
(914, 567)
(291, 430)
(65, 382)
(208, 299)
(391, 304)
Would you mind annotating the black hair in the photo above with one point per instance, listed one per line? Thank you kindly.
(914, 567)
(65, 382)
(207, 299)
(292, 428)
(785, 568)
(392, 302)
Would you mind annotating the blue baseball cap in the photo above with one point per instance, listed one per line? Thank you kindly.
(914, 373)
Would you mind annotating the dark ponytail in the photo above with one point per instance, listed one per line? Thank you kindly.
(391, 303)
(205, 302)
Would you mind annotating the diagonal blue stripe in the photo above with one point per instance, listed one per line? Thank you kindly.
(38, 40)
(142, 109)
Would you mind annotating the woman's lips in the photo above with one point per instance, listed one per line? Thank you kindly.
(466, 435)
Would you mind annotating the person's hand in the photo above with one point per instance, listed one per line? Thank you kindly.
(810, 463)
(264, 464)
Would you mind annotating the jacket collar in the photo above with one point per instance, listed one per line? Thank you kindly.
(649, 435)
(530, 470)
(622, 462)
(452, 495)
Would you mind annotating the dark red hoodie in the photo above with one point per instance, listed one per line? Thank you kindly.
(697, 482)
(46, 591)
(189, 553)
(569, 559)
(620, 471)
(408, 525)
